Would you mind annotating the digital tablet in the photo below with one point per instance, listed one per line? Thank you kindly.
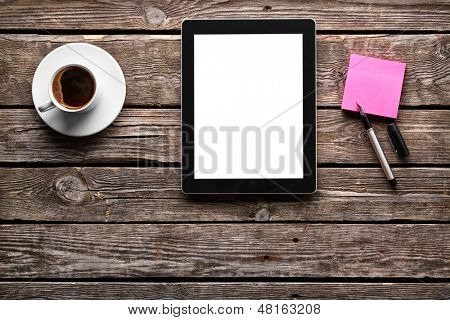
(249, 106)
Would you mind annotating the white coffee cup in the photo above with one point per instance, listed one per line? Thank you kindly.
(52, 102)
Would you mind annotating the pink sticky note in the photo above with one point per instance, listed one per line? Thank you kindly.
(375, 84)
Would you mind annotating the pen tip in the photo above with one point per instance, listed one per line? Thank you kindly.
(393, 183)
(361, 111)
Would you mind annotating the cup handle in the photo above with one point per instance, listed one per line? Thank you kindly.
(48, 105)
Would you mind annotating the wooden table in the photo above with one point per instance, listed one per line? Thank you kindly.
(104, 217)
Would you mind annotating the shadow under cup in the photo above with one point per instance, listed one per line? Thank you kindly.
(73, 87)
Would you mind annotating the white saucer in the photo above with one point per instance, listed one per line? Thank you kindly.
(111, 89)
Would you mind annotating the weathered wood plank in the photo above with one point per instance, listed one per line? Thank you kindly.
(224, 250)
(220, 290)
(154, 135)
(153, 195)
(151, 65)
(162, 15)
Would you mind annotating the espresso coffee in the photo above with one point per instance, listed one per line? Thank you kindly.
(73, 87)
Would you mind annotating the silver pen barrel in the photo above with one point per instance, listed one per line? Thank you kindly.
(381, 157)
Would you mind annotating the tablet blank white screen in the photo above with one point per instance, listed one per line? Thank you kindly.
(248, 109)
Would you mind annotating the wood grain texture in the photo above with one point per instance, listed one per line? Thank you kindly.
(151, 64)
(162, 15)
(220, 290)
(224, 250)
(166, 234)
(153, 136)
(153, 195)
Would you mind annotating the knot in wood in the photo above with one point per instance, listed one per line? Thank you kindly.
(443, 51)
(155, 16)
(363, 136)
(181, 292)
(338, 74)
(262, 215)
(71, 188)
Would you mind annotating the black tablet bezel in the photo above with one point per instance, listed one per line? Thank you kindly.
(308, 183)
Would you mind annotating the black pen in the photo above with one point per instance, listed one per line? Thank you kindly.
(377, 147)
